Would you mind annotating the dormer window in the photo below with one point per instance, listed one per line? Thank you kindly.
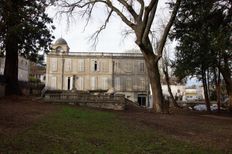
(59, 50)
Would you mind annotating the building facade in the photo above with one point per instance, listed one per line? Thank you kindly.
(23, 68)
(38, 71)
(124, 73)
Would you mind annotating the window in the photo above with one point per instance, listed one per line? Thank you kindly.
(142, 84)
(104, 83)
(68, 65)
(95, 65)
(93, 83)
(117, 66)
(141, 67)
(53, 82)
(53, 64)
(69, 83)
(80, 83)
(128, 84)
(81, 64)
(128, 67)
(117, 83)
(59, 49)
(142, 100)
(105, 66)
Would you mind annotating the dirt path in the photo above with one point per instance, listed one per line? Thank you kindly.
(19, 113)
(209, 130)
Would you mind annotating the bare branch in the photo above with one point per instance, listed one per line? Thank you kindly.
(141, 10)
(129, 9)
(81, 4)
(149, 18)
(167, 28)
(95, 35)
(120, 14)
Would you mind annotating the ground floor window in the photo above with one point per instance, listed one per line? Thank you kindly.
(142, 99)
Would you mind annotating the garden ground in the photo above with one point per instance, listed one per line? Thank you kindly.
(27, 125)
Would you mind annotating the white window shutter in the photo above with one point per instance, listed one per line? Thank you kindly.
(98, 65)
(92, 65)
(104, 83)
(53, 64)
(53, 82)
(93, 83)
(81, 65)
(80, 83)
(117, 83)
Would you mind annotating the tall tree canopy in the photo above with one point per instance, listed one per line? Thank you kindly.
(203, 29)
(139, 16)
(23, 31)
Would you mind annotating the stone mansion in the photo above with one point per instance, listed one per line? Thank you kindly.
(123, 73)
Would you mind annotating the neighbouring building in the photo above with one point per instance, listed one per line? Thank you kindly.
(23, 68)
(38, 71)
(193, 93)
(177, 91)
(124, 73)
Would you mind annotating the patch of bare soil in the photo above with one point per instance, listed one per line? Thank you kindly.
(201, 128)
(18, 113)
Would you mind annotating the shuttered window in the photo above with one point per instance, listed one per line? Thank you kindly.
(93, 83)
(53, 82)
(81, 65)
(53, 64)
(68, 65)
(117, 83)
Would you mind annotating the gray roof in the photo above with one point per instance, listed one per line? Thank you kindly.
(60, 41)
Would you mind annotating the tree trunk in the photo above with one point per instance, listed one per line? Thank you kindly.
(11, 66)
(11, 47)
(218, 89)
(154, 77)
(227, 77)
(204, 82)
(165, 70)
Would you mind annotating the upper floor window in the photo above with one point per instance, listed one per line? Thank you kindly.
(105, 66)
(128, 67)
(53, 64)
(95, 65)
(141, 67)
(117, 66)
(68, 65)
(81, 64)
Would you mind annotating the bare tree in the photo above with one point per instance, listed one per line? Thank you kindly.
(139, 15)
(165, 63)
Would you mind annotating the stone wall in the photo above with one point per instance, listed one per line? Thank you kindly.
(114, 102)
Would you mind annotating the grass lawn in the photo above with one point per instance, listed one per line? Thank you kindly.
(83, 130)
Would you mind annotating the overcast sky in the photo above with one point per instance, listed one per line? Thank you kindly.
(110, 40)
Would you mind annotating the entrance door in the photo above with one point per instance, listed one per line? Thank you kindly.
(69, 83)
(142, 100)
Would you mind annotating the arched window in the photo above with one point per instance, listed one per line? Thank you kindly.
(59, 49)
